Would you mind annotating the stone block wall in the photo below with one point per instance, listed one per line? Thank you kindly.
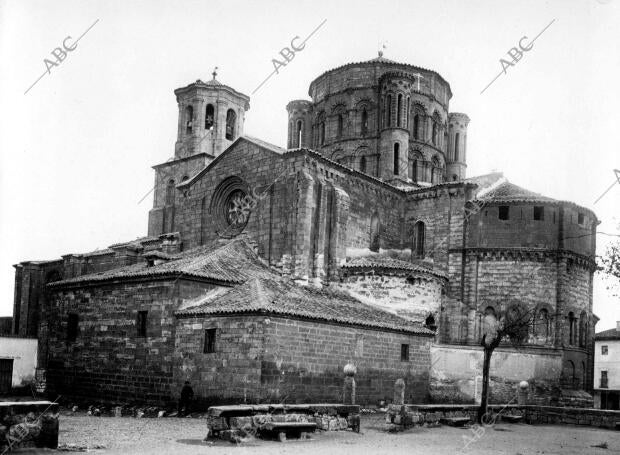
(273, 359)
(230, 374)
(456, 376)
(304, 361)
(109, 359)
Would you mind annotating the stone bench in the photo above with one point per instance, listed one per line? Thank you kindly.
(455, 421)
(237, 421)
(511, 418)
(28, 424)
(283, 428)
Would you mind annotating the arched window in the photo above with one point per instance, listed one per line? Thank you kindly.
(407, 113)
(231, 124)
(570, 372)
(209, 117)
(435, 131)
(416, 126)
(298, 134)
(185, 177)
(340, 125)
(364, 122)
(363, 164)
(584, 375)
(430, 322)
(456, 147)
(571, 328)
(418, 240)
(375, 234)
(322, 133)
(396, 157)
(389, 110)
(170, 192)
(189, 118)
(399, 111)
(583, 329)
(436, 170)
(542, 324)
(416, 167)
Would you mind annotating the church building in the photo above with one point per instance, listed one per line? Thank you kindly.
(265, 270)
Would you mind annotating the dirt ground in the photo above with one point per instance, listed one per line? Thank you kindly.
(128, 435)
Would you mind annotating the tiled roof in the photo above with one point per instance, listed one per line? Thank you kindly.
(611, 334)
(510, 192)
(388, 263)
(384, 61)
(232, 263)
(264, 144)
(281, 296)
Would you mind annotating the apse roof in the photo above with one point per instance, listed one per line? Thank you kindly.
(283, 297)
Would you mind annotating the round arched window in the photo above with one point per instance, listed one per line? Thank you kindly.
(237, 209)
(231, 207)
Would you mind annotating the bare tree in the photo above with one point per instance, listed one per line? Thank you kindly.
(609, 265)
(512, 325)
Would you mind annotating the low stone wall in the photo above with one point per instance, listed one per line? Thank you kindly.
(572, 416)
(411, 414)
(28, 424)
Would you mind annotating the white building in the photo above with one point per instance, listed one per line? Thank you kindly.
(607, 369)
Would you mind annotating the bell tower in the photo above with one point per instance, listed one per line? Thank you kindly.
(211, 117)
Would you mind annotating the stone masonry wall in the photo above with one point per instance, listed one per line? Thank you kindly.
(232, 373)
(108, 360)
(304, 361)
(273, 359)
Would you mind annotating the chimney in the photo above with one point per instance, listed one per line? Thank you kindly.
(617, 326)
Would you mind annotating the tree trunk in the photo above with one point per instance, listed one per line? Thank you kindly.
(484, 398)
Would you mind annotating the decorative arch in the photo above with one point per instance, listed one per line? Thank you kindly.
(320, 138)
(583, 329)
(436, 170)
(189, 119)
(436, 127)
(419, 239)
(170, 187)
(209, 117)
(231, 124)
(339, 125)
(364, 121)
(416, 165)
(572, 329)
(419, 114)
(299, 127)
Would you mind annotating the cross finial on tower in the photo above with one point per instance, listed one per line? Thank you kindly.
(214, 72)
(383, 46)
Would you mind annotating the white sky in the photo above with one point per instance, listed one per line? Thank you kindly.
(76, 150)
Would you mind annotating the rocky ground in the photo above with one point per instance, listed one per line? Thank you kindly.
(128, 435)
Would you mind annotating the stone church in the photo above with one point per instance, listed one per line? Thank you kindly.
(266, 270)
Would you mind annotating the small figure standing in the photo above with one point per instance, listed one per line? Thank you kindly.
(187, 394)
